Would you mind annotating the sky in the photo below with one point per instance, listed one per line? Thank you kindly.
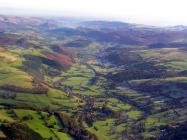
(149, 12)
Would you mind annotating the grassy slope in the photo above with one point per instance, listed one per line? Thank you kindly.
(39, 124)
(103, 129)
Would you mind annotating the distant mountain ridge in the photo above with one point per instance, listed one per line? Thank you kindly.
(103, 31)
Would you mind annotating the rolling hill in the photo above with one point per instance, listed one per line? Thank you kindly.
(63, 79)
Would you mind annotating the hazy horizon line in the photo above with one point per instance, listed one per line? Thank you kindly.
(21, 12)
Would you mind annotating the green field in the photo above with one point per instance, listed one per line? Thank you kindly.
(47, 126)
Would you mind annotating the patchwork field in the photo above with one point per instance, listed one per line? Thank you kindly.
(92, 81)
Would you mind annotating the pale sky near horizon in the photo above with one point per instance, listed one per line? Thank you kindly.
(150, 12)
